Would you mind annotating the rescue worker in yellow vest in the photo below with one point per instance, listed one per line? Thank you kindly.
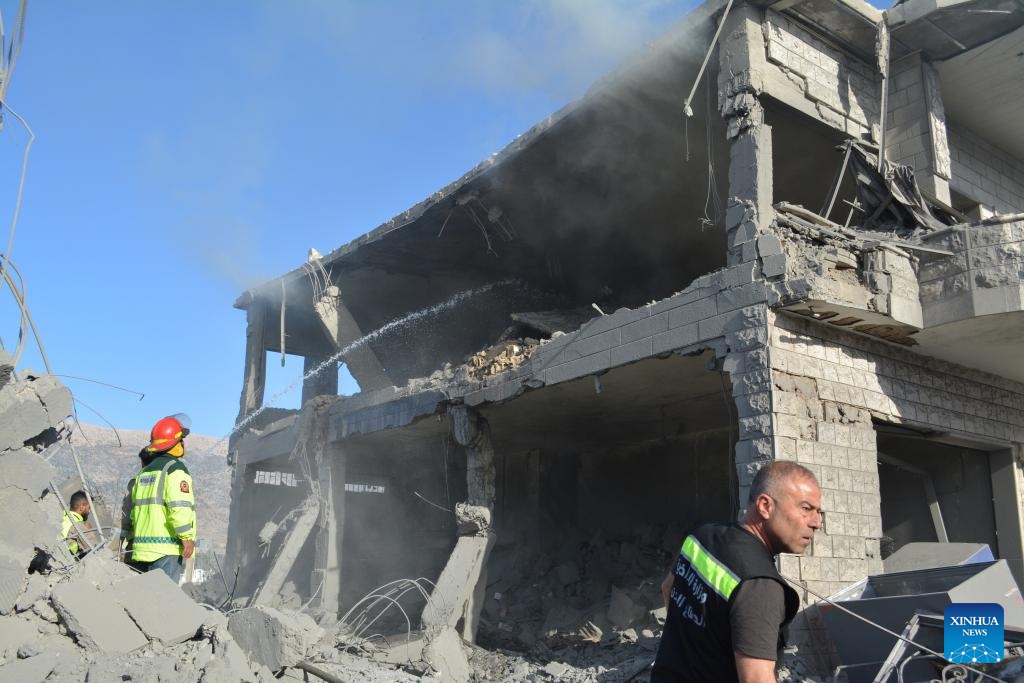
(76, 516)
(163, 503)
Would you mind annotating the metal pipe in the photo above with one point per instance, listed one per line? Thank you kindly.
(827, 209)
(85, 488)
(707, 57)
(318, 672)
(64, 506)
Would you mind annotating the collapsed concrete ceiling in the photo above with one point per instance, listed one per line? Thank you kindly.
(599, 203)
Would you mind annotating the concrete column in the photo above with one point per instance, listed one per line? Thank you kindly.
(343, 330)
(255, 378)
(236, 539)
(323, 383)
(742, 68)
(331, 537)
(1007, 503)
(474, 434)
(313, 513)
(459, 595)
(916, 125)
(747, 366)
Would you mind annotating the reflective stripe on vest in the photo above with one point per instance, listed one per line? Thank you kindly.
(144, 480)
(715, 574)
(153, 540)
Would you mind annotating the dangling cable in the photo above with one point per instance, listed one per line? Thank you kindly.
(712, 202)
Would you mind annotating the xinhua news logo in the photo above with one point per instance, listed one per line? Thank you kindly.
(973, 632)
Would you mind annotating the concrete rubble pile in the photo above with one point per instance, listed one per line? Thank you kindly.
(97, 619)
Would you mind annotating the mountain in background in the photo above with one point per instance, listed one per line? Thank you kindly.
(108, 465)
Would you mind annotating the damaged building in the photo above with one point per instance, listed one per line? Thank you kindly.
(786, 230)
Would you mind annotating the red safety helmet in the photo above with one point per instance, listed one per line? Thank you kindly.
(168, 433)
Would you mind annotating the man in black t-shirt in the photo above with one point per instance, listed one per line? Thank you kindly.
(727, 603)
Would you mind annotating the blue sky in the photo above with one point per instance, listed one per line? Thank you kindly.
(187, 150)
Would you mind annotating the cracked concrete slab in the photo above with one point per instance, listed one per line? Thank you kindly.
(26, 525)
(26, 470)
(160, 608)
(95, 619)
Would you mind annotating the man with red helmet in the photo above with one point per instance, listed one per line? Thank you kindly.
(163, 512)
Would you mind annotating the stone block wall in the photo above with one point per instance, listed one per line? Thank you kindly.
(984, 275)
(826, 387)
(916, 131)
(843, 88)
(985, 173)
(701, 315)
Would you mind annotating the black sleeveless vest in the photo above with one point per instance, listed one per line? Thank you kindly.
(696, 644)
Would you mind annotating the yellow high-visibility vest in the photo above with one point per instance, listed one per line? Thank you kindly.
(67, 525)
(163, 509)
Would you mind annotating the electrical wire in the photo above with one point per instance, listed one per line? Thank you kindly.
(14, 49)
(712, 202)
(19, 289)
(106, 384)
(21, 187)
(24, 308)
(108, 422)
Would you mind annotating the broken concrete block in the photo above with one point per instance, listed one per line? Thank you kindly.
(160, 608)
(445, 655)
(54, 397)
(27, 471)
(95, 619)
(274, 638)
(457, 583)
(622, 611)
(774, 265)
(44, 610)
(768, 245)
(37, 588)
(472, 519)
(226, 650)
(26, 525)
(555, 669)
(21, 415)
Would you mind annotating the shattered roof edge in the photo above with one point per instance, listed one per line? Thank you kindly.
(696, 17)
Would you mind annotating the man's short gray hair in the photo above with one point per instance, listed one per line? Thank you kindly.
(770, 477)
